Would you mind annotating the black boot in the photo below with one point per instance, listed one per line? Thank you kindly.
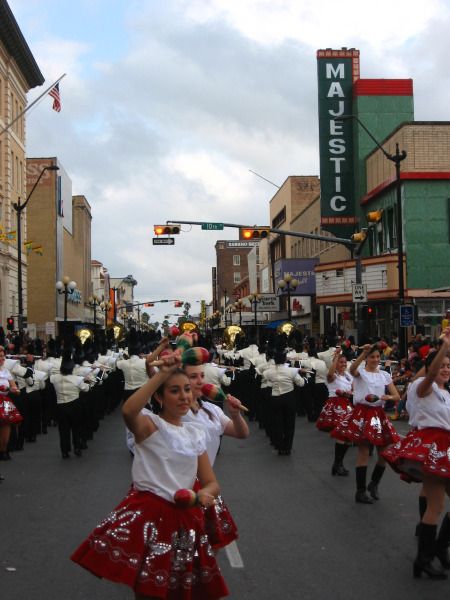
(422, 511)
(361, 495)
(443, 543)
(338, 465)
(377, 474)
(425, 554)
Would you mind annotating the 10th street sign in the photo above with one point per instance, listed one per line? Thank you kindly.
(163, 241)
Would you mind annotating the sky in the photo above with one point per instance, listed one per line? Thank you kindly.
(168, 104)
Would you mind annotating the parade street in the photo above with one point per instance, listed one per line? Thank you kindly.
(301, 533)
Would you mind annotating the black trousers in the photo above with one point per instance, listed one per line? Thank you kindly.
(17, 437)
(33, 424)
(284, 412)
(69, 424)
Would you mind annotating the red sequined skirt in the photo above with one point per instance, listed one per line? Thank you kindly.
(421, 451)
(366, 424)
(219, 523)
(334, 409)
(8, 412)
(156, 548)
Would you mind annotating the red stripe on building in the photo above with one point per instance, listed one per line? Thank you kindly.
(383, 87)
(407, 175)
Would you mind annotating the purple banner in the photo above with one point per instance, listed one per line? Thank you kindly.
(301, 269)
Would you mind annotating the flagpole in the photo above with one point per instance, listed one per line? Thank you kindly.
(32, 104)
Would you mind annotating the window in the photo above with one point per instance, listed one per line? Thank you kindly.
(236, 260)
(279, 219)
(237, 277)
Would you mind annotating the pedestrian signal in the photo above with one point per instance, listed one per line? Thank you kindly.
(166, 229)
(255, 233)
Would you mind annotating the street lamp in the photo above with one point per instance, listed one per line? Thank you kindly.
(66, 287)
(239, 305)
(105, 306)
(255, 300)
(289, 284)
(396, 159)
(94, 303)
(18, 207)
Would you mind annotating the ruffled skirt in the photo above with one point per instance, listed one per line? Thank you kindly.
(156, 548)
(219, 523)
(8, 412)
(421, 451)
(366, 424)
(335, 409)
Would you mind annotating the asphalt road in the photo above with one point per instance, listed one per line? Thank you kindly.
(301, 533)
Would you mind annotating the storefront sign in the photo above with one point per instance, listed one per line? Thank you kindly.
(301, 269)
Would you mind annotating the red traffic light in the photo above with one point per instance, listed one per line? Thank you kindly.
(10, 323)
(178, 303)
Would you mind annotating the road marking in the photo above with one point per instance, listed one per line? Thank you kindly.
(234, 556)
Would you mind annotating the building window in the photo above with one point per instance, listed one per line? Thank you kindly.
(279, 219)
(237, 277)
(236, 260)
(339, 272)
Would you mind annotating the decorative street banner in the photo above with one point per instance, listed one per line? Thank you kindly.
(337, 70)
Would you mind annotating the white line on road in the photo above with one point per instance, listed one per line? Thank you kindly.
(234, 556)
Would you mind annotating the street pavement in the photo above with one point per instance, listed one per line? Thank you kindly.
(301, 534)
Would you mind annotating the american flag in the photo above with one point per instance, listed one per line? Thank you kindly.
(54, 93)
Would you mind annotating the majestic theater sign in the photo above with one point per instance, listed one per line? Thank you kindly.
(337, 70)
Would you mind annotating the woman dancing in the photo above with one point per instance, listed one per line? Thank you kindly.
(149, 543)
(367, 423)
(338, 405)
(424, 455)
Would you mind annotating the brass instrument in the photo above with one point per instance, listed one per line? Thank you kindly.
(188, 327)
(229, 335)
(287, 327)
(118, 331)
(85, 334)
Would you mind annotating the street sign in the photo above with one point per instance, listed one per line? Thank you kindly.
(212, 226)
(359, 292)
(163, 241)
(406, 315)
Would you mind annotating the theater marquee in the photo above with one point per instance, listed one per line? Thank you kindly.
(337, 70)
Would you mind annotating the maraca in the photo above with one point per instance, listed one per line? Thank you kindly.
(195, 356)
(371, 398)
(185, 341)
(345, 345)
(343, 393)
(216, 394)
(174, 331)
(185, 498)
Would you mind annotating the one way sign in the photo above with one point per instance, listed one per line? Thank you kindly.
(168, 241)
(359, 291)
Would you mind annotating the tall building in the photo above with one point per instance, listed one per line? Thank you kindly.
(19, 73)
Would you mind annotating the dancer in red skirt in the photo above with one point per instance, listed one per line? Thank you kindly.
(149, 543)
(338, 405)
(424, 455)
(9, 415)
(220, 524)
(367, 423)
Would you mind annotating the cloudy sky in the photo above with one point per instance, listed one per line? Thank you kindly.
(167, 104)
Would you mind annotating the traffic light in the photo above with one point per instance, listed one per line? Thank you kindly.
(178, 304)
(255, 233)
(359, 237)
(10, 323)
(149, 304)
(374, 216)
(166, 229)
(370, 312)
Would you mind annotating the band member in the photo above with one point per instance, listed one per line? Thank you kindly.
(338, 405)
(367, 423)
(9, 415)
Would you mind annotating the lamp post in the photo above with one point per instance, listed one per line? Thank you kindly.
(105, 306)
(289, 284)
(94, 303)
(239, 305)
(18, 207)
(66, 287)
(254, 299)
(396, 159)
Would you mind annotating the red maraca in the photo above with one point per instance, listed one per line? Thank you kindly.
(174, 331)
(381, 346)
(185, 498)
(371, 398)
(345, 345)
(195, 356)
(343, 393)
